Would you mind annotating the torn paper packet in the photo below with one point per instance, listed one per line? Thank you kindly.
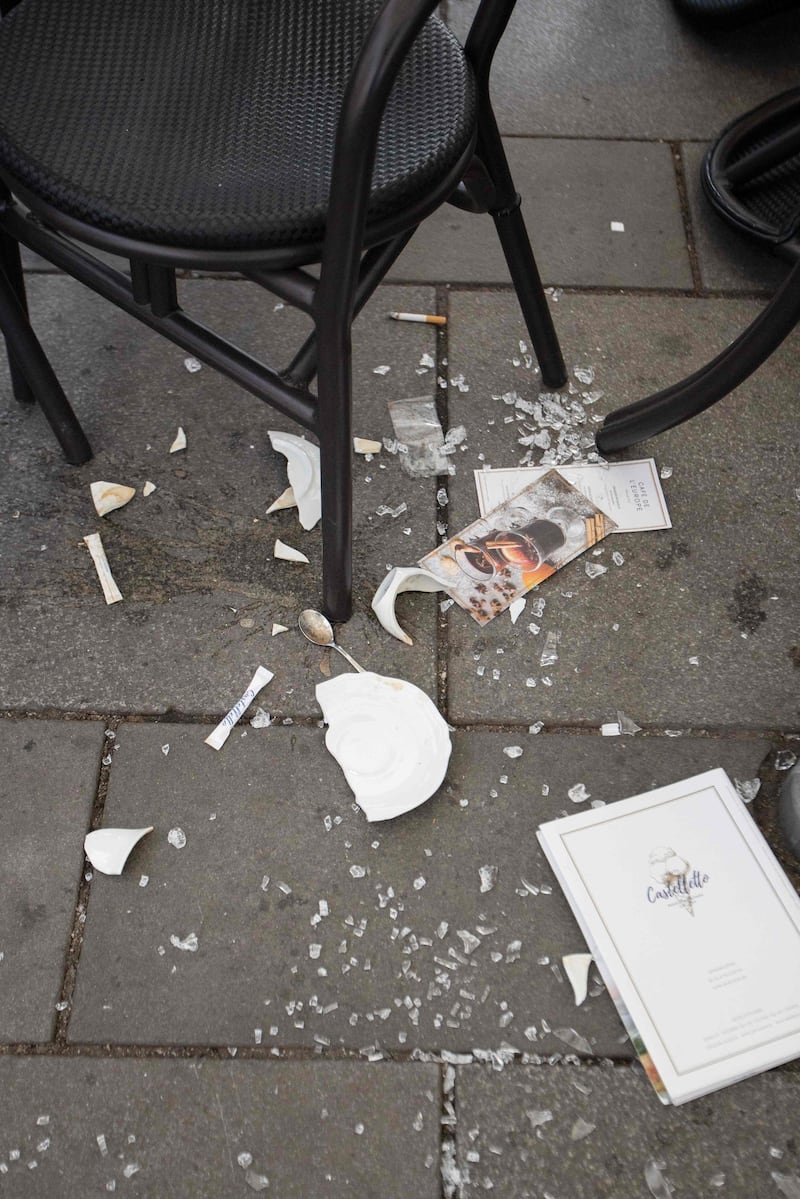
(111, 591)
(630, 492)
(221, 733)
(500, 557)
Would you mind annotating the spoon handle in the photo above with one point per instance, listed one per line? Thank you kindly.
(352, 661)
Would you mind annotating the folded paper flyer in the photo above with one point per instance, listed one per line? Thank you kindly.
(496, 559)
(695, 929)
(630, 492)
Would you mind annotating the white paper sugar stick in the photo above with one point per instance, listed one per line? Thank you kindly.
(110, 589)
(221, 733)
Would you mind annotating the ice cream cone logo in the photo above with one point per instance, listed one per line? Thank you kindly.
(671, 871)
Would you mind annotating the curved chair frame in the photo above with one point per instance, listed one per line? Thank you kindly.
(355, 256)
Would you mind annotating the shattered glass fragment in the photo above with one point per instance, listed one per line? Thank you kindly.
(785, 759)
(358, 871)
(536, 727)
(468, 940)
(584, 374)
(188, 943)
(717, 1180)
(261, 720)
(488, 877)
(666, 472)
(381, 370)
(177, 837)
(441, 497)
(539, 1116)
(656, 1182)
(595, 569)
(256, 1182)
(385, 510)
(549, 653)
(574, 1039)
(748, 788)
(580, 1129)
(513, 751)
(578, 793)
(626, 725)
(787, 1184)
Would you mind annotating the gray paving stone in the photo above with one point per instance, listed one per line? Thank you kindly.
(744, 1133)
(571, 191)
(703, 589)
(727, 259)
(185, 1123)
(590, 68)
(47, 788)
(194, 560)
(258, 810)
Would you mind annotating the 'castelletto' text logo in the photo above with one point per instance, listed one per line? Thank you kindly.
(676, 883)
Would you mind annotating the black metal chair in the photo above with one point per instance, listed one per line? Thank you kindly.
(257, 136)
(751, 176)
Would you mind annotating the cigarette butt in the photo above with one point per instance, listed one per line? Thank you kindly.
(111, 592)
(421, 318)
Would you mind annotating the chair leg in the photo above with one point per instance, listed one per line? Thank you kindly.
(40, 375)
(11, 264)
(516, 245)
(654, 414)
(334, 428)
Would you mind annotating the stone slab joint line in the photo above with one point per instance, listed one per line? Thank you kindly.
(686, 215)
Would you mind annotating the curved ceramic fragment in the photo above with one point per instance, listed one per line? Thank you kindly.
(287, 553)
(108, 496)
(401, 578)
(362, 445)
(285, 500)
(389, 739)
(179, 443)
(302, 458)
(576, 967)
(108, 848)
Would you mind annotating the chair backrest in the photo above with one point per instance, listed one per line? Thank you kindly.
(391, 37)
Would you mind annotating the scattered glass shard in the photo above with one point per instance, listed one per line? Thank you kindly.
(539, 1116)
(261, 720)
(665, 472)
(419, 431)
(536, 727)
(574, 1039)
(257, 1182)
(748, 788)
(578, 793)
(550, 651)
(584, 374)
(192, 365)
(656, 1182)
(785, 759)
(177, 837)
(717, 1180)
(468, 940)
(358, 871)
(513, 751)
(581, 1129)
(626, 725)
(517, 608)
(595, 569)
(385, 510)
(189, 943)
(101, 1144)
(381, 370)
(787, 1184)
(488, 877)
(617, 558)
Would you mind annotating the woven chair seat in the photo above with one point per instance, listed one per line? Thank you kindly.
(211, 123)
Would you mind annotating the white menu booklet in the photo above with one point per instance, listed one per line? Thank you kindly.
(695, 929)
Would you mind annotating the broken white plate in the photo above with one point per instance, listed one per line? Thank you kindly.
(285, 500)
(400, 578)
(108, 496)
(576, 967)
(179, 443)
(108, 849)
(389, 739)
(287, 552)
(302, 459)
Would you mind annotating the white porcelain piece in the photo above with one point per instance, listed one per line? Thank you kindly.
(516, 608)
(389, 739)
(108, 849)
(576, 967)
(108, 496)
(287, 553)
(400, 578)
(302, 458)
(279, 628)
(148, 488)
(179, 443)
(285, 500)
(362, 445)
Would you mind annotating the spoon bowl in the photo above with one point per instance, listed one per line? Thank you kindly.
(317, 629)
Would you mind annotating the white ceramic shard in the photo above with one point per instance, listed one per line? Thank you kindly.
(279, 628)
(108, 849)
(111, 591)
(285, 500)
(363, 445)
(148, 488)
(287, 553)
(302, 466)
(576, 967)
(400, 578)
(108, 496)
(179, 443)
(389, 739)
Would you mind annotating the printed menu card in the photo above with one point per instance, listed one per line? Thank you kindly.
(695, 929)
